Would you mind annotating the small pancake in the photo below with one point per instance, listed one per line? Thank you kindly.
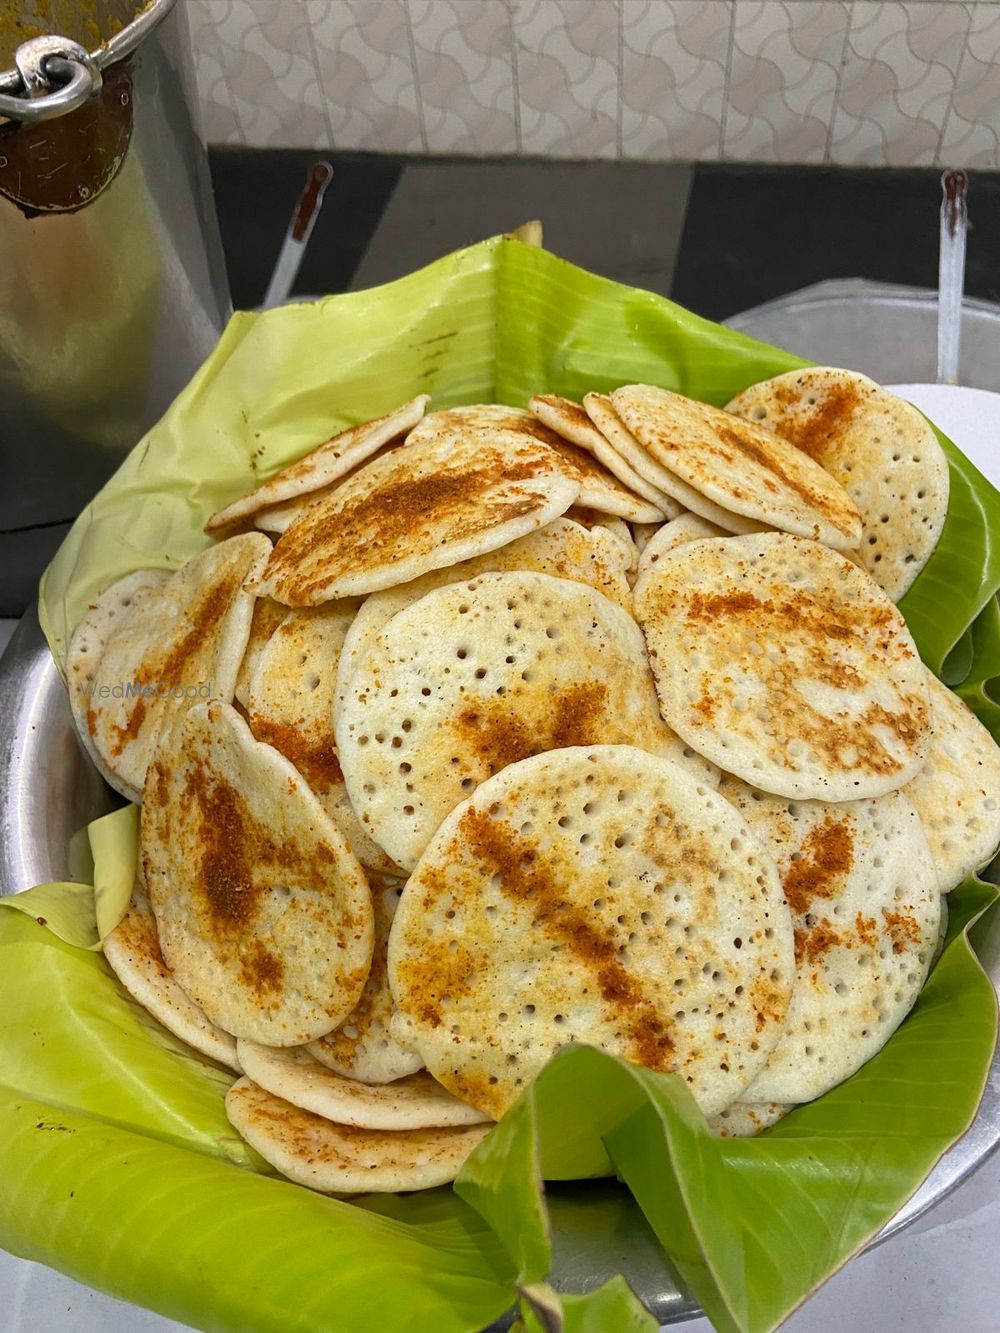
(340, 1159)
(599, 488)
(784, 663)
(419, 508)
(267, 616)
(263, 912)
(957, 792)
(478, 675)
(745, 1120)
(882, 451)
(321, 466)
(739, 465)
(152, 644)
(277, 519)
(860, 883)
(580, 896)
(687, 528)
(362, 1047)
(133, 953)
(414, 1102)
(569, 420)
(290, 706)
(563, 548)
(604, 415)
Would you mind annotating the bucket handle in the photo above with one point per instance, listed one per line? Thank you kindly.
(55, 76)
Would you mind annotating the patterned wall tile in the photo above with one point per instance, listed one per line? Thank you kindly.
(220, 122)
(897, 82)
(972, 128)
(365, 53)
(674, 58)
(752, 80)
(267, 49)
(566, 62)
(783, 74)
(465, 74)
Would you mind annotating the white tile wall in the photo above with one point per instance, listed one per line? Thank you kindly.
(748, 80)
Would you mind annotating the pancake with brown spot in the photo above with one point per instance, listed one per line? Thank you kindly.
(563, 548)
(321, 467)
(267, 616)
(684, 498)
(859, 881)
(478, 675)
(739, 465)
(570, 420)
(421, 507)
(133, 953)
(290, 706)
(784, 663)
(363, 1047)
(414, 1102)
(341, 1159)
(882, 451)
(601, 895)
(154, 643)
(600, 488)
(264, 914)
(957, 792)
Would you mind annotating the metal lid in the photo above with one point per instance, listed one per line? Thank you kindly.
(53, 75)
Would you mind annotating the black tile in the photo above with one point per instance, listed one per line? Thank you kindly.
(620, 219)
(255, 193)
(754, 232)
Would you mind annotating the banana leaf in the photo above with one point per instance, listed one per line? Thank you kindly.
(118, 1165)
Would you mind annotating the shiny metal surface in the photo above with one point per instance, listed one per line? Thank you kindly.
(57, 76)
(49, 790)
(112, 286)
(888, 332)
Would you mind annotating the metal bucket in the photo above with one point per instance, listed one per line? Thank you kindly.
(888, 332)
(112, 278)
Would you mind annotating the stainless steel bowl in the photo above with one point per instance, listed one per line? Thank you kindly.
(49, 789)
(885, 331)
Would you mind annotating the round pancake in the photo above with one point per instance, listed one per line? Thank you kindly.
(263, 912)
(957, 792)
(363, 1048)
(784, 663)
(569, 420)
(860, 883)
(601, 895)
(267, 616)
(882, 451)
(340, 1159)
(133, 953)
(152, 644)
(278, 518)
(739, 465)
(478, 675)
(687, 528)
(604, 415)
(745, 1120)
(414, 1102)
(599, 488)
(290, 706)
(418, 508)
(322, 466)
(563, 548)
